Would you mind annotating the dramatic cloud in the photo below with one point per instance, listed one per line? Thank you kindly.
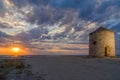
(33, 22)
(5, 39)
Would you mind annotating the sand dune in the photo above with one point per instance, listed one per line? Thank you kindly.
(76, 68)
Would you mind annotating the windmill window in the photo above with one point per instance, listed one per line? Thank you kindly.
(94, 42)
(90, 33)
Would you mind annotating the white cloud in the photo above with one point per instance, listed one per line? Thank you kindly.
(15, 18)
(118, 33)
(55, 29)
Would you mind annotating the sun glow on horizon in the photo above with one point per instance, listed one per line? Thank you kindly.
(16, 49)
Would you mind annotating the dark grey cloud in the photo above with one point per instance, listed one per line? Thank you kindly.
(48, 11)
(5, 25)
(44, 15)
(3, 35)
(63, 19)
(2, 8)
(23, 3)
(35, 33)
(73, 49)
(5, 39)
(51, 11)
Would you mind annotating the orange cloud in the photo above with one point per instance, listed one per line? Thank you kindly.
(7, 2)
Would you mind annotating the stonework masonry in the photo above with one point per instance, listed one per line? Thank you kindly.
(102, 43)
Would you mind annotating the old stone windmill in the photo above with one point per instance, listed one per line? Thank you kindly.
(102, 43)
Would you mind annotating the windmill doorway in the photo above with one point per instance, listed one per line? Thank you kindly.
(107, 51)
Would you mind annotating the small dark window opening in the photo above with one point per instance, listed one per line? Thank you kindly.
(94, 42)
(90, 33)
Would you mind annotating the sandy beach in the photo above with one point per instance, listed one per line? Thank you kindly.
(75, 67)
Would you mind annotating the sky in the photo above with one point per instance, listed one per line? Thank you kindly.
(55, 26)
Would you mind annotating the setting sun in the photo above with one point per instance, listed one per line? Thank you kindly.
(16, 49)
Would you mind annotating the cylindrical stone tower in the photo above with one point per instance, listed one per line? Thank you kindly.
(102, 43)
